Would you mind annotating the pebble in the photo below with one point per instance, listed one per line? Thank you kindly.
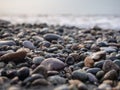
(56, 80)
(70, 60)
(28, 44)
(38, 60)
(117, 62)
(62, 87)
(53, 64)
(50, 37)
(109, 49)
(109, 65)
(100, 74)
(111, 75)
(98, 55)
(99, 64)
(76, 56)
(23, 73)
(79, 75)
(92, 78)
(40, 70)
(7, 42)
(14, 88)
(104, 86)
(15, 56)
(40, 82)
(93, 70)
(31, 78)
(88, 62)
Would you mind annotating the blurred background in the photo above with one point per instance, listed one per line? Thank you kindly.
(74, 7)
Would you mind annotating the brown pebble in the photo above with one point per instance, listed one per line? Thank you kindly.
(109, 65)
(15, 56)
(88, 62)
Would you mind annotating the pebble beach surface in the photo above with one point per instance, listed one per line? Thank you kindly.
(53, 57)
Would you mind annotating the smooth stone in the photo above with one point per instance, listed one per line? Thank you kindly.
(88, 62)
(76, 56)
(56, 80)
(38, 38)
(98, 55)
(70, 60)
(109, 65)
(50, 37)
(15, 80)
(46, 43)
(111, 75)
(82, 86)
(38, 60)
(23, 73)
(40, 70)
(28, 44)
(117, 62)
(109, 82)
(62, 87)
(32, 78)
(11, 74)
(104, 86)
(79, 75)
(92, 78)
(99, 64)
(16, 57)
(100, 74)
(40, 82)
(109, 49)
(14, 88)
(93, 70)
(102, 44)
(51, 73)
(53, 64)
(2, 64)
(7, 42)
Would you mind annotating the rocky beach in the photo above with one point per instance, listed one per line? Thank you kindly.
(61, 56)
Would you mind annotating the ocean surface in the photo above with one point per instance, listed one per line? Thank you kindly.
(80, 21)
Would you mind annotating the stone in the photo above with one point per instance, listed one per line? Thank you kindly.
(23, 73)
(7, 42)
(98, 55)
(38, 60)
(79, 75)
(69, 60)
(53, 64)
(40, 70)
(40, 82)
(111, 75)
(15, 56)
(56, 80)
(88, 62)
(28, 44)
(93, 70)
(109, 65)
(50, 37)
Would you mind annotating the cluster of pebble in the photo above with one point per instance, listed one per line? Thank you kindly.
(43, 57)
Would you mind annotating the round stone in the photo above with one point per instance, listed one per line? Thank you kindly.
(23, 73)
(53, 64)
(88, 62)
(38, 60)
(69, 60)
(79, 75)
(28, 44)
